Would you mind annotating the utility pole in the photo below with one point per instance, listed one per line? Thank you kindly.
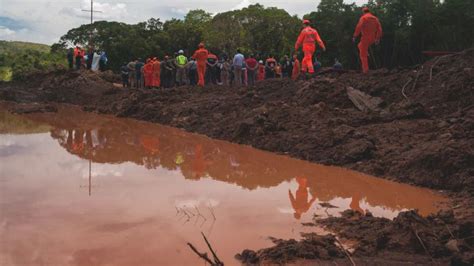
(92, 20)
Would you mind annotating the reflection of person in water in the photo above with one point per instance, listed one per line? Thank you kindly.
(199, 165)
(300, 203)
(78, 142)
(150, 144)
(355, 204)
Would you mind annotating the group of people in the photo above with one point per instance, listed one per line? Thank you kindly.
(93, 60)
(204, 67)
(208, 69)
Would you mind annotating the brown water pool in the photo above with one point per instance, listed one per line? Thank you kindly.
(84, 189)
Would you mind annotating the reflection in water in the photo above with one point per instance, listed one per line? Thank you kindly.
(161, 186)
(300, 203)
(104, 139)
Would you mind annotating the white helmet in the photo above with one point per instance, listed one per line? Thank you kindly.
(181, 52)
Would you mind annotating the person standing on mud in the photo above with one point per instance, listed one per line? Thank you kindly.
(138, 72)
(307, 39)
(191, 69)
(211, 69)
(270, 66)
(156, 83)
(131, 67)
(125, 72)
(181, 62)
(252, 67)
(371, 30)
(237, 65)
(165, 72)
(296, 67)
(286, 67)
(70, 58)
(148, 73)
(90, 57)
(201, 57)
(103, 61)
(261, 71)
(78, 55)
(225, 71)
(174, 67)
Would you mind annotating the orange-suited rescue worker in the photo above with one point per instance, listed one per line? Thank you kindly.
(201, 55)
(371, 30)
(156, 73)
(78, 55)
(296, 68)
(307, 39)
(148, 73)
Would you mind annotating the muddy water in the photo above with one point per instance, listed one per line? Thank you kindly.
(83, 189)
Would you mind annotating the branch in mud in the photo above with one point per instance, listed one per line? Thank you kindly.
(345, 251)
(204, 256)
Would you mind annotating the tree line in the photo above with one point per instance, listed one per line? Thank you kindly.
(410, 27)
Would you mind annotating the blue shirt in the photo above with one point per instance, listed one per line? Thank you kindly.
(238, 60)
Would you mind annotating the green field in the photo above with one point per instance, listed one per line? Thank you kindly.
(16, 47)
(17, 59)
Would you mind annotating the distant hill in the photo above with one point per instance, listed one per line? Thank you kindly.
(19, 58)
(14, 47)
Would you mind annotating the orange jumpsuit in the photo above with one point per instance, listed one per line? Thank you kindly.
(201, 57)
(307, 38)
(148, 73)
(261, 72)
(150, 144)
(300, 203)
(371, 30)
(296, 69)
(156, 73)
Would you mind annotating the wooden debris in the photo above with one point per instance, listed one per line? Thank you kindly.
(363, 101)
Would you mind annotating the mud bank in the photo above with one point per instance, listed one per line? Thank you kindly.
(408, 239)
(419, 130)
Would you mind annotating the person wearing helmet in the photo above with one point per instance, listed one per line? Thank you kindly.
(181, 62)
(261, 71)
(307, 39)
(201, 55)
(371, 30)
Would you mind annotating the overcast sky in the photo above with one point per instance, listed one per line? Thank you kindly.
(44, 21)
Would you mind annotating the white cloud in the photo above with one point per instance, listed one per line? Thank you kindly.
(5, 32)
(242, 4)
(47, 20)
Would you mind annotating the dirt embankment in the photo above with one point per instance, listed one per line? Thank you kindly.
(407, 240)
(421, 131)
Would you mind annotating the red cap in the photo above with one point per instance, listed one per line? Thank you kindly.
(306, 22)
(365, 9)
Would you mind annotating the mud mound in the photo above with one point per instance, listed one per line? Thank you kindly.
(76, 87)
(311, 247)
(437, 239)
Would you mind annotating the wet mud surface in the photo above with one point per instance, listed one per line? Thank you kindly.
(421, 132)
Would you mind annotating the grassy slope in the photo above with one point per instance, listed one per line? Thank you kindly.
(22, 57)
(15, 47)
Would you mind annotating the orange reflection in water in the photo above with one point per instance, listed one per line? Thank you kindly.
(154, 188)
